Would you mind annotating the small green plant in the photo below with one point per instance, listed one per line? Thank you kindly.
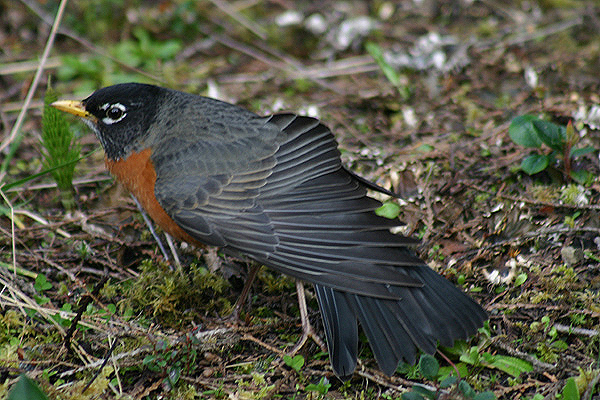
(26, 388)
(520, 279)
(389, 210)
(255, 388)
(549, 348)
(295, 363)
(322, 387)
(172, 362)
(390, 72)
(476, 357)
(430, 369)
(532, 132)
(41, 285)
(145, 51)
(60, 149)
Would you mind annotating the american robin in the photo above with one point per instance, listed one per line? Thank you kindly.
(274, 189)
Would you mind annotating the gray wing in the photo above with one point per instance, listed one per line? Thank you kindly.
(285, 200)
(274, 189)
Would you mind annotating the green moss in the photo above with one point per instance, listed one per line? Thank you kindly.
(543, 193)
(186, 392)
(573, 194)
(539, 297)
(274, 282)
(547, 353)
(10, 321)
(166, 295)
(564, 277)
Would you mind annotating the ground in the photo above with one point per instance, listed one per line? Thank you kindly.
(420, 95)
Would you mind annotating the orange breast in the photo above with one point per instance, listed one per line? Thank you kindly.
(138, 175)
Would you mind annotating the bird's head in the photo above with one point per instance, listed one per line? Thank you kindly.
(120, 115)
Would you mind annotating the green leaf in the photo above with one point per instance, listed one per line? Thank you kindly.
(522, 132)
(388, 210)
(460, 347)
(511, 365)
(560, 344)
(535, 163)
(423, 391)
(580, 152)
(425, 148)
(149, 359)
(41, 283)
(582, 176)
(41, 300)
(466, 389)
(471, 357)
(570, 391)
(127, 51)
(429, 366)
(571, 138)
(322, 387)
(168, 49)
(448, 372)
(485, 396)
(553, 136)
(295, 363)
(449, 381)
(26, 388)
(412, 396)
(174, 375)
(520, 279)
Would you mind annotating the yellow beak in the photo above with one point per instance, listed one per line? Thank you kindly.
(72, 107)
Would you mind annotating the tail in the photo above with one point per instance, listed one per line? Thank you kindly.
(422, 317)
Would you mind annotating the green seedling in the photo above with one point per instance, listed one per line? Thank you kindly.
(390, 72)
(554, 144)
(322, 387)
(295, 363)
(430, 369)
(60, 149)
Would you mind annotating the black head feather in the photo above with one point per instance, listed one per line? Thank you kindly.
(123, 115)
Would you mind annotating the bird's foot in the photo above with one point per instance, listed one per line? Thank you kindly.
(307, 329)
(234, 317)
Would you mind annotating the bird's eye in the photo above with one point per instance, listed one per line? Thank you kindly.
(114, 113)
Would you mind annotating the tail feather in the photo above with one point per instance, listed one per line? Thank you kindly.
(396, 328)
(341, 330)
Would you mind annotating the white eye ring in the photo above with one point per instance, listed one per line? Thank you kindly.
(118, 111)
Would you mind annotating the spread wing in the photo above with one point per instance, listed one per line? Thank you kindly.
(274, 189)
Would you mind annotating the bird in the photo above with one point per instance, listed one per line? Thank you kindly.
(274, 189)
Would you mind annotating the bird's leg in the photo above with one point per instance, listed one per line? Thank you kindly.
(307, 329)
(157, 238)
(235, 313)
